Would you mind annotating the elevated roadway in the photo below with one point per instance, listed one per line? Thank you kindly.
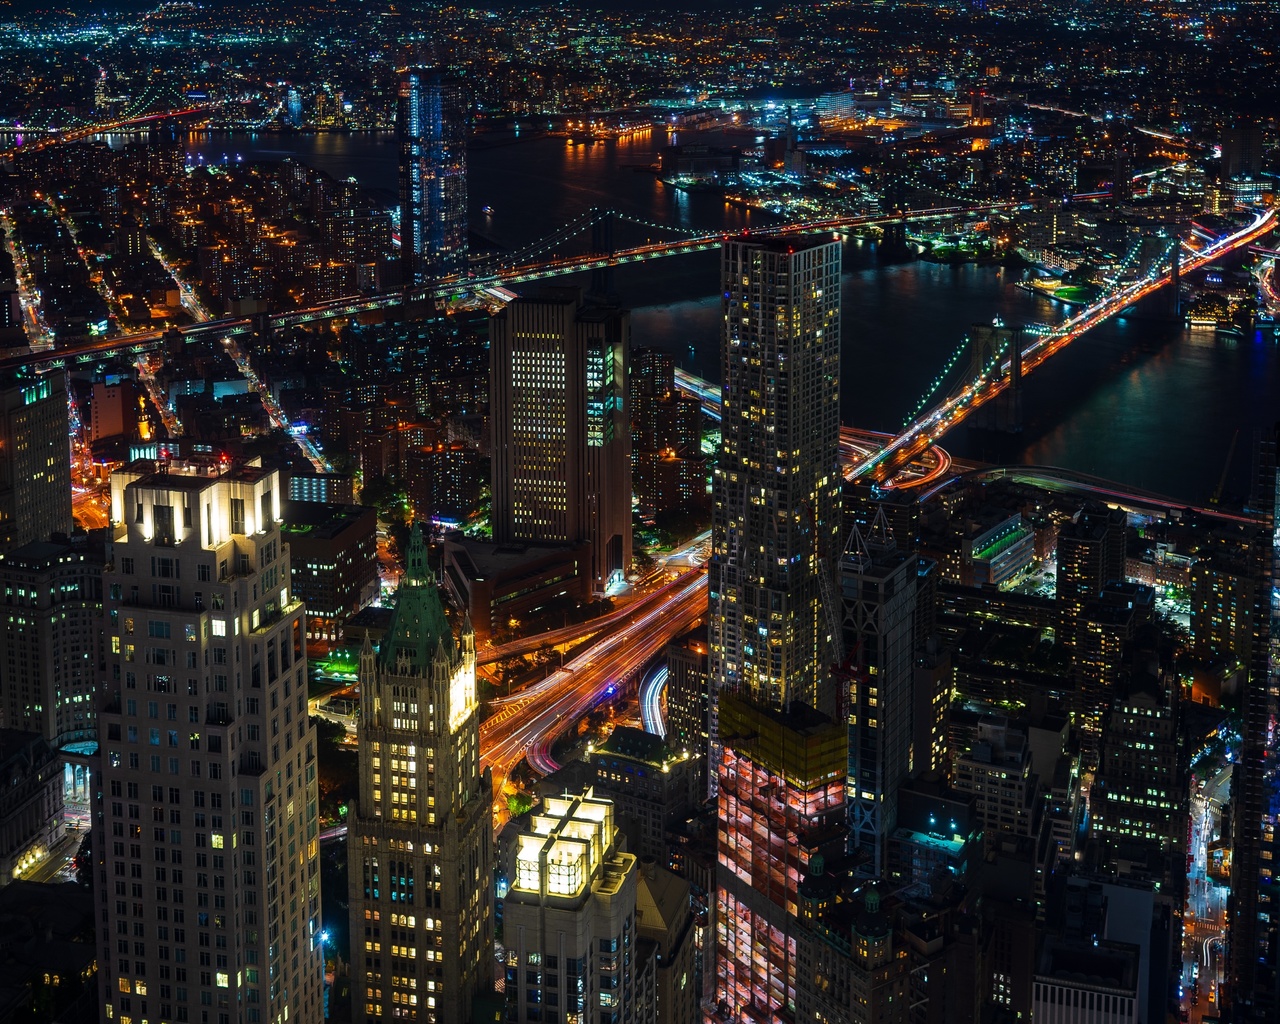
(529, 727)
(933, 424)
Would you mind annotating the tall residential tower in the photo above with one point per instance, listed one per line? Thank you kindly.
(420, 845)
(777, 758)
(776, 517)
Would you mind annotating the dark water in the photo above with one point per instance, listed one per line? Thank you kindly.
(1136, 400)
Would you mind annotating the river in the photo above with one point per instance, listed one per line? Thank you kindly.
(1139, 400)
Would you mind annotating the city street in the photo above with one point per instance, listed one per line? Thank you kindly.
(1204, 921)
(57, 866)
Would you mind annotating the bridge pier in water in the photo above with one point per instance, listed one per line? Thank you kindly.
(893, 242)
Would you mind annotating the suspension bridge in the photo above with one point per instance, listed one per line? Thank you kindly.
(539, 261)
(990, 377)
(54, 128)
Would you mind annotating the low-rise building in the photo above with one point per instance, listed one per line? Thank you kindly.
(334, 566)
(651, 786)
(31, 811)
(497, 583)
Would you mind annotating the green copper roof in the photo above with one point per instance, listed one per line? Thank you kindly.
(418, 624)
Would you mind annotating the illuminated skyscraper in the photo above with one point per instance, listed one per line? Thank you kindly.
(561, 434)
(420, 845)
(778, 759)
(569, 919)
(206, 834)
(431, 127)
(780, 817)
(776, 517)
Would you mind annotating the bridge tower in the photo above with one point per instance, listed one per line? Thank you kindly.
(601, 288)
(1175, 281)
(990, 343)
(262, 330)
(893, 243)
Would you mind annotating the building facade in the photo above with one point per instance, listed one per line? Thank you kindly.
(51, 647)
(850, 971)
(561, 435)
(1139, 794)
(651, 786)
(206, 834)
(35, 474)
(687, 699)
(878, 590)
(31, 814)
(431, 128)
(1090, 555)
(420, 839)
(334, 563)
(780, 817)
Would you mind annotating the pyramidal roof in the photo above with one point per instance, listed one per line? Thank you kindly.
(418, 624)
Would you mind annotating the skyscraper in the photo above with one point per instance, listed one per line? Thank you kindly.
(780, 817)
(431, 127)
(1090, 555)
(206, 833)
(420, 840)
(775, 526)
(777, 760)
(561, 434)
(878, 587)
(35, 473)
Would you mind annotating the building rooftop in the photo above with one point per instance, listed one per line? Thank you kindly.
(1105, 964)
(638, 745)
(319, 520)
(192, 475)
(489, 560)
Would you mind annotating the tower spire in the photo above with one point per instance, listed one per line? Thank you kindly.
(415, 563)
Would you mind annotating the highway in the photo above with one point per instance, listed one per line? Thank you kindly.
(528, 727)
(652, 688)
(690, 554)
(1054, 478)
(933, 424)
(1204, 919)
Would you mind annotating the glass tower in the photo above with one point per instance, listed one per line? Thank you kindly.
(777, 758)
(431, 127)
